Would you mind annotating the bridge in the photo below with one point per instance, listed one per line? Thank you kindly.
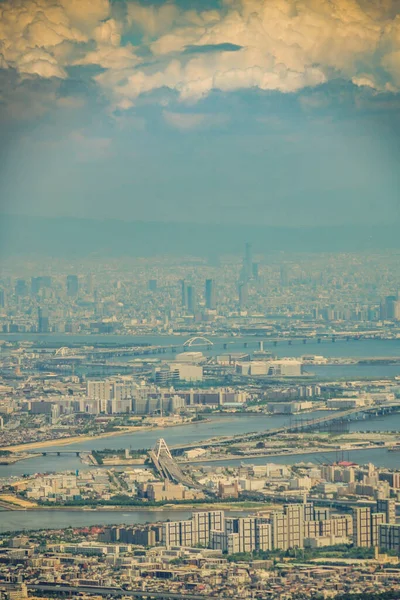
(70, 591)
(165, 464)
(168, 468)
(59, 452)
(67, 355)
(302, 426)
(197, 341)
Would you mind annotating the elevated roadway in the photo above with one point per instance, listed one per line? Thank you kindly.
(68, 591)
(308, 425)
(168, 468)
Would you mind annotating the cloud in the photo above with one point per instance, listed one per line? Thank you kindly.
(38, 36)
(24, 100)
(283, 45)
(280, 45)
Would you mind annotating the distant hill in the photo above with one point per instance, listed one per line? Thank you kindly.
(70, 237)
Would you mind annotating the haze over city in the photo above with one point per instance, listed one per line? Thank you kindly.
(199, 299)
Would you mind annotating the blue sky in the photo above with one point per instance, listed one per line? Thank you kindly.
(280, 112)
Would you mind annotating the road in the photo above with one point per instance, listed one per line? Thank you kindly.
(295, 428)
(62, 590)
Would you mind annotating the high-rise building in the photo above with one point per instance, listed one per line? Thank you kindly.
(152, 285)
(35, 285)
(377, 519)
(387, 506)
(390, 308)
(89, 284)
(178, 533)
(43, 321)
(366, 526)
(191, 299)
(183, 293)
(72, 285)
(3, 298)
(248, 258)
(243, 295)
(21, 289)
(389, 537)
(288, 527)
(205, 522)
(362, 526)
(100, 389)
(253, 533)
(210, 294)
(254, 271)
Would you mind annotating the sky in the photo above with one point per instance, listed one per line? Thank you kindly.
(275, 112)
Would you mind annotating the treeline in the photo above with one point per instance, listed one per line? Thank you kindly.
(339, 551)
(122, 500)
(394, 595)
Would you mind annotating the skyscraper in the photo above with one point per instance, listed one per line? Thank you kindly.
(248, 258)
(243, 295)
(43, 321)
(72, 285)
(21, 288)
(152, 285)
(3, 298)
(210, 294)
(89, 284)
(35, 285)
(183, 294)
(191, 299)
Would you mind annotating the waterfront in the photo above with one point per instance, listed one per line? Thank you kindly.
(11, 520)
(296, 348)
(215, 426)
(353, 348)
(17, 520)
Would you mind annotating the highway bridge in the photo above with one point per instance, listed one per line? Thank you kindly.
(299, 426)
(59, 452)
(168, 468)
(67, 355)
(68, 591)
(163, 457)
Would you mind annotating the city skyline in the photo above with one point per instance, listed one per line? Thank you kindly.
(200, 299)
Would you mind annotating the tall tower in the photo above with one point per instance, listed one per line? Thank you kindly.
(210, 294)
(3, 298)
(183, 294)
(248, 258)
(43, 321)
(191, 299)
(72, 285)
(243, 295)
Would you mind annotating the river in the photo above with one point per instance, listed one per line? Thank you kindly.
(12, 520)
(361, 348)
(216, 426)
(58, 519)
(185, 434)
